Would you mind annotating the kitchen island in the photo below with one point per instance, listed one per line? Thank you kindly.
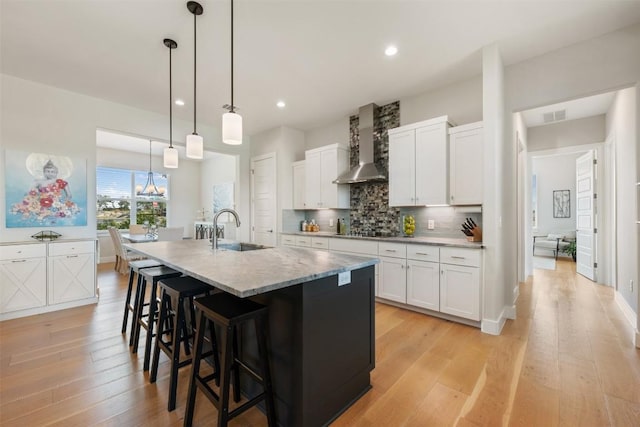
(321, 319)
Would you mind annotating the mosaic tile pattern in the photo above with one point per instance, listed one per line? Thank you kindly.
(370, 211)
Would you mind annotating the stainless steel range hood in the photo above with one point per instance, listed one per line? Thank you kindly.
(366, 171)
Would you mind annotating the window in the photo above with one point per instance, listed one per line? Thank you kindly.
(119, 205)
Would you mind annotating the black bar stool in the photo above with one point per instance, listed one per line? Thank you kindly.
(135, 266)
(230, 312)
(172, 320)
(147, 321)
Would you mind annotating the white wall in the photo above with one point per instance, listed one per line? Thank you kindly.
(553, 173)
(461, 101)
(36, 117)
(498, 219)
(589, 130)
(621, 124)
(520, 136)
(333, 133)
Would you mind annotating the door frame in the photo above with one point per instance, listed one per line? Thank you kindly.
(599, 147)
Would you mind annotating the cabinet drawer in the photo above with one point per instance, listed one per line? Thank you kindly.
(303, 241)
(423, 253)
(460, 256)
(365, 247)
(288, 240)
(9, 252)
(320, 242)
(394, 250)
(72, 248)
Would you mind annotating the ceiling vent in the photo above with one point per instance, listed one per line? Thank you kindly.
(554, 116)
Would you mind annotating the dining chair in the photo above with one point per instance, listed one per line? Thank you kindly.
(170, 233)
(137, 229)
(123, 256)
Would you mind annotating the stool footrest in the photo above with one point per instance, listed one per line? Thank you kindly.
(248, 370)
(247, 405)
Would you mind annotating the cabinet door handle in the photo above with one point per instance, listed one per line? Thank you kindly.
(19, 260)
(72, 256)
(421, 253)
(390, 250)
(408, 266)
(458, 257)
(402, 266)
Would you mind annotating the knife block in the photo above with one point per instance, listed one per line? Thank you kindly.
(477, 235)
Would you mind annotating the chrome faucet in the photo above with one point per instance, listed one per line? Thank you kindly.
(214, 241)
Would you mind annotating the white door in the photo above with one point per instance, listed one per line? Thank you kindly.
(586, 233)
(313, 172)
(71, 277)
(460, 291)
(263, 200)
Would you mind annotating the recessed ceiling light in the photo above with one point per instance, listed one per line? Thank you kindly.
(281, 104)
(179, 102)
(391, 50)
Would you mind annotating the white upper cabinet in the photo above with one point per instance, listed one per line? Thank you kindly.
(419, 164)
(466, 166)
(322, 166)
(299, 184)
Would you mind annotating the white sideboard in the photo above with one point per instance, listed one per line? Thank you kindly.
(41, 277)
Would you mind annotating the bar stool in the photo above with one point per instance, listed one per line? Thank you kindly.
(135, 266)
(229, 312)
(147, 321)
(173, 321)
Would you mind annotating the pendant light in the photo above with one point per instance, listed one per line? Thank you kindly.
(150, 189)
(194, 141)
(231, 121)
(170, 153)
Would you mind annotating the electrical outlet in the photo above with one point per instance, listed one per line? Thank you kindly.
(431, 224)
(330, 222)
(631, 285)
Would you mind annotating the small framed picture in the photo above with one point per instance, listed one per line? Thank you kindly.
(562, 204)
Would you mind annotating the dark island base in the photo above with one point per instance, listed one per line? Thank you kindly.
(322, 347)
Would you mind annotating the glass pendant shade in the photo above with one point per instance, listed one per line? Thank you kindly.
(170, 158)
(195, 146)
(232, 128)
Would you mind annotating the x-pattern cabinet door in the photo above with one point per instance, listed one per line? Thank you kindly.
(71, 277)
(24, 284)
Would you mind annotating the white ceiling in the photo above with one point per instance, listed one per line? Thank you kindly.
(324, 58)
(576, 109)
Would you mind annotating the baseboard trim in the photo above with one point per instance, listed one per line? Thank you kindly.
(628, 312)
(637, 338)
(107, 259)
(494, 327)
(47, 309)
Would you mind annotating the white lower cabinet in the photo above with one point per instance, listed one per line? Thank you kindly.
(72, 270)
(393, 279)
(40, 277)
(423, 284)
(23, 277)
(460, 282)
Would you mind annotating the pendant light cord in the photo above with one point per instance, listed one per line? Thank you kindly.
(149, 156)
(194, 74)
(232, 105)
(170, 103)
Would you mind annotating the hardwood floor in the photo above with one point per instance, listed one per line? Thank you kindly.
(568, 360)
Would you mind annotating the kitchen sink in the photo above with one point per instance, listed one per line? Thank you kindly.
(241, 246)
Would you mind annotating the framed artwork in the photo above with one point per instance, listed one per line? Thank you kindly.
(45, 190)
(562, 204)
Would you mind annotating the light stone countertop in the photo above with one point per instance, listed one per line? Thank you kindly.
(437, 241)
(252, 272)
